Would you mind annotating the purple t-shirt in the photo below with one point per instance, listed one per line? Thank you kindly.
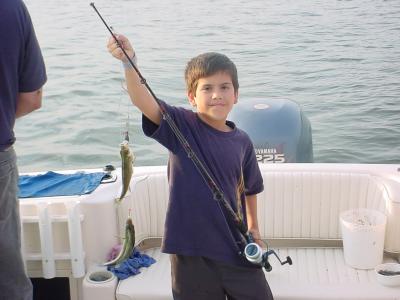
(194, 224)
(21, 64)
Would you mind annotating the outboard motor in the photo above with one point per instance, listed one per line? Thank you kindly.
(279, 130)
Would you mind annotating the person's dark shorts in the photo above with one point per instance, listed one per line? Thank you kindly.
(200, 278)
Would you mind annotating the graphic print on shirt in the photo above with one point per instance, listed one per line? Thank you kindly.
(239, 193)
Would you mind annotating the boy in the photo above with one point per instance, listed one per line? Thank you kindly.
(201, 240)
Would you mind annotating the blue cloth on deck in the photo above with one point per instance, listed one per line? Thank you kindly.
(132, 265)
(56, 184)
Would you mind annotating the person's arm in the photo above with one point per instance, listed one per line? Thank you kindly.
(28, 102)
(252, 221)
(138, 93)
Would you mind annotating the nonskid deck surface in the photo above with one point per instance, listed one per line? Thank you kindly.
(316, 273)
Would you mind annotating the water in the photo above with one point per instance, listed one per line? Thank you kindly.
(340, 60)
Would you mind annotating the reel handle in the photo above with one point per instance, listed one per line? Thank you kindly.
(255, 255)
(267, 265)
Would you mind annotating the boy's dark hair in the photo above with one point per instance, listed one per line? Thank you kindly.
(208, 64)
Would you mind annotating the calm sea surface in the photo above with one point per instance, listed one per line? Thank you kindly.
(340, 60)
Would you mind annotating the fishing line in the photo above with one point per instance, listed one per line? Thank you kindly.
(124, 123)
(216, 191)
(123, 112)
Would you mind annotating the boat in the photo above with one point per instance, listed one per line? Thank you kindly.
(66, 239)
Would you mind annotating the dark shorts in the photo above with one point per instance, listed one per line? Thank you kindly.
(14, 284)
(199, 278)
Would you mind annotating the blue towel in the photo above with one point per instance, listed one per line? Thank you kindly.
(56, 184)
(132, 265)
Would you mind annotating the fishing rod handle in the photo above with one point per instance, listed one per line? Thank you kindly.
(127, 65)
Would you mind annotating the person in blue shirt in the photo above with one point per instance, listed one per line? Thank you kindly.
(201, 241)
(22, 75)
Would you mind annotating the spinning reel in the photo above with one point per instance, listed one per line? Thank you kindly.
(254, 254)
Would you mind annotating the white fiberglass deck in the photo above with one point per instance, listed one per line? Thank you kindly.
(316, 273)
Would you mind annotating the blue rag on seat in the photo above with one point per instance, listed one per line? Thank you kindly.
(132, 265)
(56, 184)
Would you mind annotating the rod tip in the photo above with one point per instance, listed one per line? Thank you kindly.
(92, 4)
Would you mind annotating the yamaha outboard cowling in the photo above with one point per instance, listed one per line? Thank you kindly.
(279, 130)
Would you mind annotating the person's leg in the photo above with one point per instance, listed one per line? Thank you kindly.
(241, 283)
(14, 283)
(195, 278)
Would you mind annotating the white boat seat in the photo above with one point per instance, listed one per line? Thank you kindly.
(304, 205)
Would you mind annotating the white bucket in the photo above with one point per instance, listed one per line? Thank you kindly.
(363, 233)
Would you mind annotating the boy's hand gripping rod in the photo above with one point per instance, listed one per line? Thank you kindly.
(218, 195)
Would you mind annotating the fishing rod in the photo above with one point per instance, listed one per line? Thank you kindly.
(245, 238)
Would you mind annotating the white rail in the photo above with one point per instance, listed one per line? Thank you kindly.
(75, 239)
(47, 215)
(46, 240)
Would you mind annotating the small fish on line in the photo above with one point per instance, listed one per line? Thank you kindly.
(127, 159)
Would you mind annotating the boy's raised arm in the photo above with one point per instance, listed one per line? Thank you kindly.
(138, 93)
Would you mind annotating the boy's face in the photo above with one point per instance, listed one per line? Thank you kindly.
(214, 99)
